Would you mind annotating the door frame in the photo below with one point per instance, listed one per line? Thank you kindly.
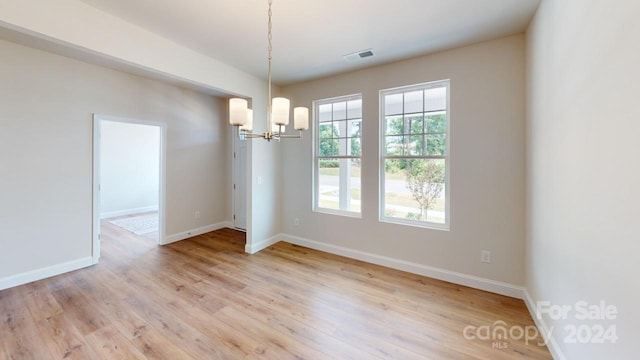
(236, 143)
(97, 121)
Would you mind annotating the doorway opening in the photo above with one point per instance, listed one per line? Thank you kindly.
(128, 181)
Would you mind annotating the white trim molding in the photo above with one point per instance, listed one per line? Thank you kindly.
(96, 215)
(43, 273)
(195, 232)
(110, 214)
(475, 282)
(543, 327)
(254, 248)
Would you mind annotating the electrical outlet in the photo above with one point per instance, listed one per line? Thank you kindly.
(197, 215)
(485, 256)
(296, 221)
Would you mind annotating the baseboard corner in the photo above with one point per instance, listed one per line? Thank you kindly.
(543, 327)
(261, 245)
(195, 232)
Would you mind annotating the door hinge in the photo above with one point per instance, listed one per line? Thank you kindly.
(234, 186)
(234, 216)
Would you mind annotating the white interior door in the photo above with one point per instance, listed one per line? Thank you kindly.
(239, 183)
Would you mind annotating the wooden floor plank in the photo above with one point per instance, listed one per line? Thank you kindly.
(109, 343)
(63, 339)
(204, 298)
(194, 342)
(19, 331)
(85, 316)
(40, 301)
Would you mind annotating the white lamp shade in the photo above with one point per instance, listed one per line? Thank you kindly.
(237, 111)
(248, 126)
(300, 118)
(280, 111)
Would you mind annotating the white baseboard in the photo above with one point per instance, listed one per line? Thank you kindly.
(543, 327)
(195, 232)
(429, 271)
(43, 273)
(254, 248)
(124, 212)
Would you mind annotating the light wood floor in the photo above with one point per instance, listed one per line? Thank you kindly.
(204, 298)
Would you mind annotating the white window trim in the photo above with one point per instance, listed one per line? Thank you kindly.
(315, 145)
(381, 166)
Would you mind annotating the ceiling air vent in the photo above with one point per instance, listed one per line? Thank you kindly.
(358, 55)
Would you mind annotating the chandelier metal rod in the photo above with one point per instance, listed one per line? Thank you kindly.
(270, 50)
(240, 116)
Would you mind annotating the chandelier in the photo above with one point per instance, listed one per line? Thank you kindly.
(277, 111)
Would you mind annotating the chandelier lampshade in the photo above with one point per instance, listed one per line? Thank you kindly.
(248, 126)
(300, 118)
(278, 110)
(238, 111)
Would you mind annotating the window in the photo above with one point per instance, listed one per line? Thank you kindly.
(338, 149)
(414, 160)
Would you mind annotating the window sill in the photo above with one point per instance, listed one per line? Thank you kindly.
(420, 224)
(351, 214)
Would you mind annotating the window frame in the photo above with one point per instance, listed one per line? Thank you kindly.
(316, 155)
(446, 226)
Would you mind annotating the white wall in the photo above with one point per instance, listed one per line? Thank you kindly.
(487, 164)
(263, 215)
(583, 131)
(87, 33)
(129, 168)
(46, 107)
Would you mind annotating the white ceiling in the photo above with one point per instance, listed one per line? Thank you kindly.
(311, 37)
